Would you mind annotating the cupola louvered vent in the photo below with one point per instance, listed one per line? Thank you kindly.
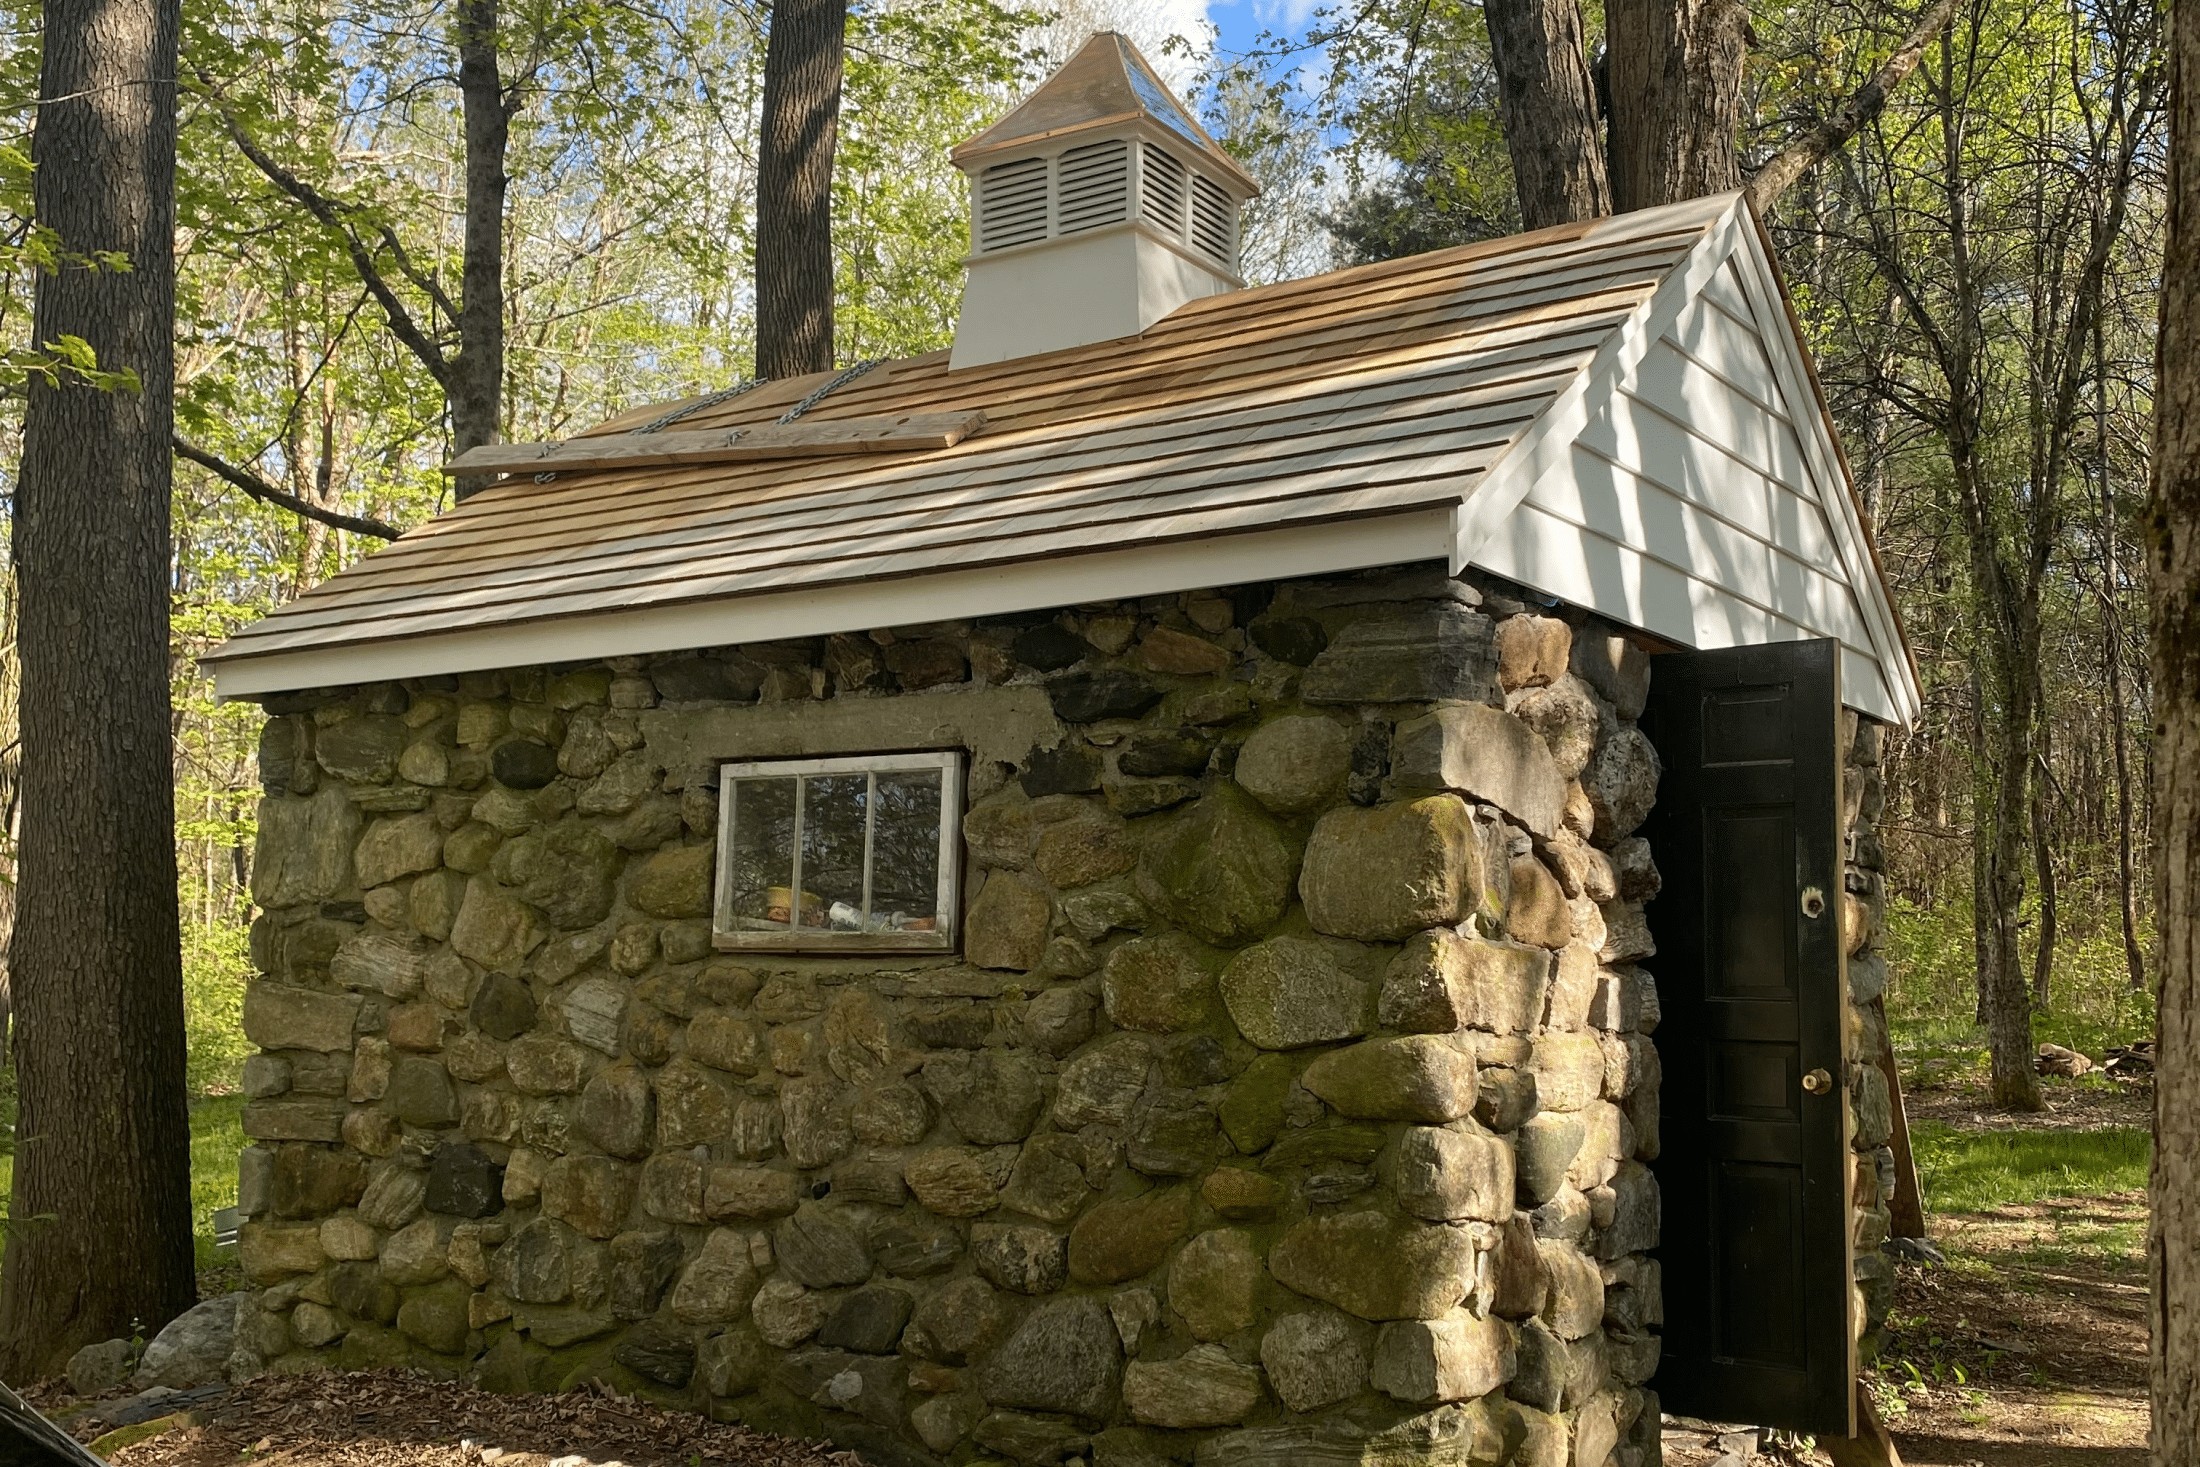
(1098, 206)
(1012, 204)
(1162, 203)
(1214, 222)
(1094, 187)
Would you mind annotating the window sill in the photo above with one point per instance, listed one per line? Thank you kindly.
(833, 942)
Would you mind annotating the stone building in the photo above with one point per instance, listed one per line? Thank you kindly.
(1090, 898)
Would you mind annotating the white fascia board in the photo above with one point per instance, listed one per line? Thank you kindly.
(1107, 575)
(1836, 496)
(1547, 447)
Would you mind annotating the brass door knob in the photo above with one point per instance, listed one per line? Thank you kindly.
(1818, 1082)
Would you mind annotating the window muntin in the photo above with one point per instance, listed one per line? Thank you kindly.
(843, 854)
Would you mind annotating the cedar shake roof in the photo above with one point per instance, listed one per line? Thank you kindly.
(1416, 400)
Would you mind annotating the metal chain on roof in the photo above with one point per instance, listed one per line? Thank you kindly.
(839, 379)
(665, 420)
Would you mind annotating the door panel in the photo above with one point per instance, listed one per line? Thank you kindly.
(1753, 1167)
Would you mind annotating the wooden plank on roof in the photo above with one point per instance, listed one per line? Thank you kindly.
(1008, 466)
(909, 432)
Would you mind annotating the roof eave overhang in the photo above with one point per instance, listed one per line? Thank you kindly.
(1316, 548)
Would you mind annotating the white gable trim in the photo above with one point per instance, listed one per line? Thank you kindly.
(1566, 511)
(1776, 333)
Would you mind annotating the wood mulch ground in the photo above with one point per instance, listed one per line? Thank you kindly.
(2030, 1346)
(388, 1418)
(2069, 1108)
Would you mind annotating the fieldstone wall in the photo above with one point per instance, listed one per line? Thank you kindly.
(1871, 1112)
(1288, 1103)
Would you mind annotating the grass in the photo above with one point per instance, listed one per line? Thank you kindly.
(1978, 1171)
(217, 1136)
(1932, 991)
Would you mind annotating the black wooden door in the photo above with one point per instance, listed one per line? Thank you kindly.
(1754, 1159)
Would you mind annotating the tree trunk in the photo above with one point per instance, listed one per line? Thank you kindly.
(794, 187)
(2174, 594)
(2112, 657)
(477, 372)
(1676, 83)
(2001, 831)
(2043, 872)
(1982, 866)
(100, 1244)
(1546, 102)
(2173, 561)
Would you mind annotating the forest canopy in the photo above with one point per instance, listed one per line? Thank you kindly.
(1976, 271)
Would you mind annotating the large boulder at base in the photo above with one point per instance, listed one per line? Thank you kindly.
(99, 1368)
(193, 1347)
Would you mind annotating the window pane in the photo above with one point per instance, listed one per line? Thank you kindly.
(760, 864)
(905, 859)
(832, 850)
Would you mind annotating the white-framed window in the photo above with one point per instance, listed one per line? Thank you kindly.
(859, 853)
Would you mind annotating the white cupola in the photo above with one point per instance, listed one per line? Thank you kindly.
(1097, 207)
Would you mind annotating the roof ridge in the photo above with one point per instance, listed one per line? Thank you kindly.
(1606, 228)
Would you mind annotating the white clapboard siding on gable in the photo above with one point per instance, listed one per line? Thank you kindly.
(1691, 506)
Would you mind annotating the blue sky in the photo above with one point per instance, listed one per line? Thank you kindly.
(1238, 24)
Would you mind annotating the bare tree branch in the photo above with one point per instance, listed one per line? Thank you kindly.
(1820, 143)
(427, 283)
(267, 493)
(330, 214)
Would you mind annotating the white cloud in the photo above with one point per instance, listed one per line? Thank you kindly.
(1287, 16)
